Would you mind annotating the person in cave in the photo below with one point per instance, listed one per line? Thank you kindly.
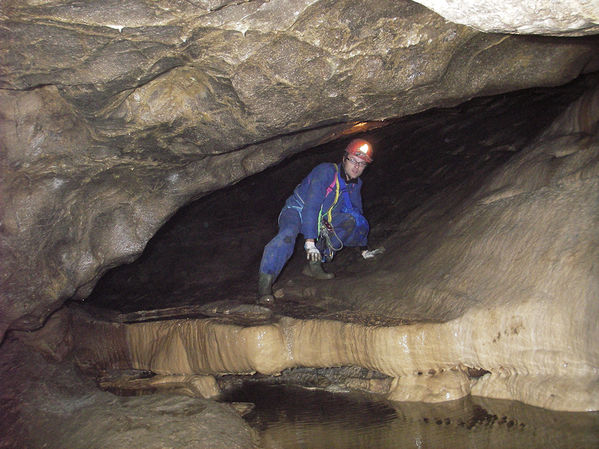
(326, 207)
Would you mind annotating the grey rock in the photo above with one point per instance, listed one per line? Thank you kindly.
(116, 114)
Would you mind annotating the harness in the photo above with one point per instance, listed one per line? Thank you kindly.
(334, 185)
(325, 228)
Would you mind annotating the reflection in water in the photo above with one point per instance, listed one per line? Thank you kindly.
(291, 417)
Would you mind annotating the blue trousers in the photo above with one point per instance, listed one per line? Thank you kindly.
(280, 249)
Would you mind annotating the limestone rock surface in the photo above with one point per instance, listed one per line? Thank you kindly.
(50, 404)
(115, 114)
(547, 17)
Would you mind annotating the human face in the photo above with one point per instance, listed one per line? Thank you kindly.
(353, 166)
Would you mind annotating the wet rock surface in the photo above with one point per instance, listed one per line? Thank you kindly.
(50, 404)
(333, 379)
(115, 115)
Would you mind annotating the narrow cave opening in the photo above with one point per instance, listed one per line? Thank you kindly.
(210, 250)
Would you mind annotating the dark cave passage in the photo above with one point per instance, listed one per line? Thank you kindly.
(210, 250)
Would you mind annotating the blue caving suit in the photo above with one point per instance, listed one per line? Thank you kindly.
(312, 198)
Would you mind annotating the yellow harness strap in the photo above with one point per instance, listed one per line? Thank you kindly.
(329, 214)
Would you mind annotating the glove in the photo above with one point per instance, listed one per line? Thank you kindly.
(312, 253)
(371, 254)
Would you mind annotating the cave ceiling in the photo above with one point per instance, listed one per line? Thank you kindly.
(114, 114)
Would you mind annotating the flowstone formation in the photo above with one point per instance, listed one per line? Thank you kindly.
(115, 114)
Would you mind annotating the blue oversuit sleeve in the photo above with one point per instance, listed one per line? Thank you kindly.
(356, 197)
(316, 186)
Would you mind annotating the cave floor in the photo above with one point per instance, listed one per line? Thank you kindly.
(295, 298)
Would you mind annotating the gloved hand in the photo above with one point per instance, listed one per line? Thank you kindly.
(371, 254)
(312, 253)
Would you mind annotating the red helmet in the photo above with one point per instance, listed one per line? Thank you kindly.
(360, 148)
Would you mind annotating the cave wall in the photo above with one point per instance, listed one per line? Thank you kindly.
(115, 114)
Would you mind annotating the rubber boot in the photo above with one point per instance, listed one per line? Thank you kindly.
(265, 295)
(315, 270)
